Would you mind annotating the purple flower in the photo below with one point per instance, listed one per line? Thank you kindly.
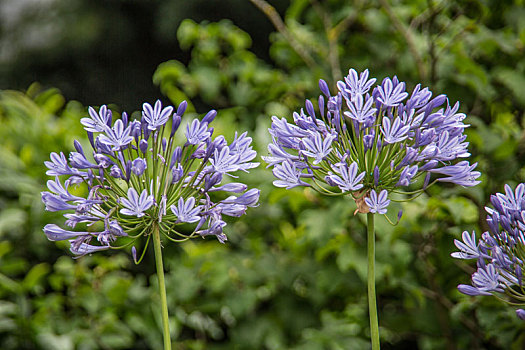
(186, 211)
(135, 205)
(486, 280)
(316, 147)
(156, 116)
(461, 174)
(278, 155)
(468, 248)
(378, 204)
(389, 95)
(84, 248)
(97, 122)
(223, 162)
(197, 132)
(497, 252)
(117, 137)
(405, 178)
(58, 166)
(394, 132)
(248, 199)
(55, 203)
(357, 85)
(359, 110)
(348, 179)
(138, 166)
(521, 314)
(391, 143)
(288, 176)
(79, 161)
(55, 233)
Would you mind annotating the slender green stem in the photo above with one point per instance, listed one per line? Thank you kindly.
(372, 304)
(162, 288)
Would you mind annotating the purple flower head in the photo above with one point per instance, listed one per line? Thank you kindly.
(380, 138)
(135, 173)
(498, 251)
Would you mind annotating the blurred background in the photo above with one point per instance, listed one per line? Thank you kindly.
(293, 274)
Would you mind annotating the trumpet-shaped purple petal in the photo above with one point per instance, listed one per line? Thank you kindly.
(357, 85)
(288, 176)
(469, 248)
(117, 137)
(197, 132)
(97, 122)
(361, 110)
(394, 132)
(138, 166)
(186, 211)
(389, 95)
(348, 179)
(135, 205)
(156, 116)
(56, 233)
(378, 204)
(316, 147)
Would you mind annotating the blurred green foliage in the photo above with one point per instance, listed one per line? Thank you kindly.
(292, 275)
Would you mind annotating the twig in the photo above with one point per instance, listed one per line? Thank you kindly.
(333, 55)
(278, 23)
(407, 34)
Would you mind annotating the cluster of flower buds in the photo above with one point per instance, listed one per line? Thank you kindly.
(368, 141)
(137, 175)
(500, 252)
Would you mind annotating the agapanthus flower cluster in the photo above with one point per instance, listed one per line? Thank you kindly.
(500, 252)
(137, 174)
(369, 140)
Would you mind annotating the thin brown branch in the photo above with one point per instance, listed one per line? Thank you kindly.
(407, 34)
(426, 14)
(278, 23)
(333, 54)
